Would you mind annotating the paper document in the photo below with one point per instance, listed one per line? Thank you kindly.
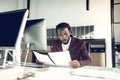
(101, 72)
(60, 58)
(54, 58)
(43, 58)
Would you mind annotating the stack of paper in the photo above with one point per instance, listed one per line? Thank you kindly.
(98, 73)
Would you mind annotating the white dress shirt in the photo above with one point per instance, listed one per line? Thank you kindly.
(66, 46)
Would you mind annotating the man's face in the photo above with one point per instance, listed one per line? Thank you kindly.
(64, 35)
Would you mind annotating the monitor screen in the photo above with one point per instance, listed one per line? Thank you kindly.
(35, 34)
(12, 24)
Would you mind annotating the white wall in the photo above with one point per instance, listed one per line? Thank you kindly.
(75, 13)
(8, 5)
(22, 4)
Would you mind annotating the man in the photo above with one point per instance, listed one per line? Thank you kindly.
(76, 47)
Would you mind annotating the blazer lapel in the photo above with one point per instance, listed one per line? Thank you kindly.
(60, 46)
(71, 44)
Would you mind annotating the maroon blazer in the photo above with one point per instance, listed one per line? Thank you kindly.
(77, 49)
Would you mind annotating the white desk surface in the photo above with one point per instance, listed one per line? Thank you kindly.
(62, 73)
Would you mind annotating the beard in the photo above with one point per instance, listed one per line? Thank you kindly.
(65, 41)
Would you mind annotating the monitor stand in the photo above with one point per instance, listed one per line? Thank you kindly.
(3, 58)
(9, 58)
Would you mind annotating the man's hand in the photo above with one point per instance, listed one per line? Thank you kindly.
(39, 62)
(74, 63)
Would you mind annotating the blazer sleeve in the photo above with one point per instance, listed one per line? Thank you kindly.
(85, 57)
(56, 46)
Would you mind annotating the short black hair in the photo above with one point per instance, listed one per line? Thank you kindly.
(63, 25)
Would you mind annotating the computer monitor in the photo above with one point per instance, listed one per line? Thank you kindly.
(12, 25)
(35, 34)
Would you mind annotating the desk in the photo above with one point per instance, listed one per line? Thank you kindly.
(62, 73)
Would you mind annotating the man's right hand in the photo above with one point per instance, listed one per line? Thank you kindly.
(39, 62)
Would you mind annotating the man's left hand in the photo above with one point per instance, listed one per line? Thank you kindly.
(74, 63)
